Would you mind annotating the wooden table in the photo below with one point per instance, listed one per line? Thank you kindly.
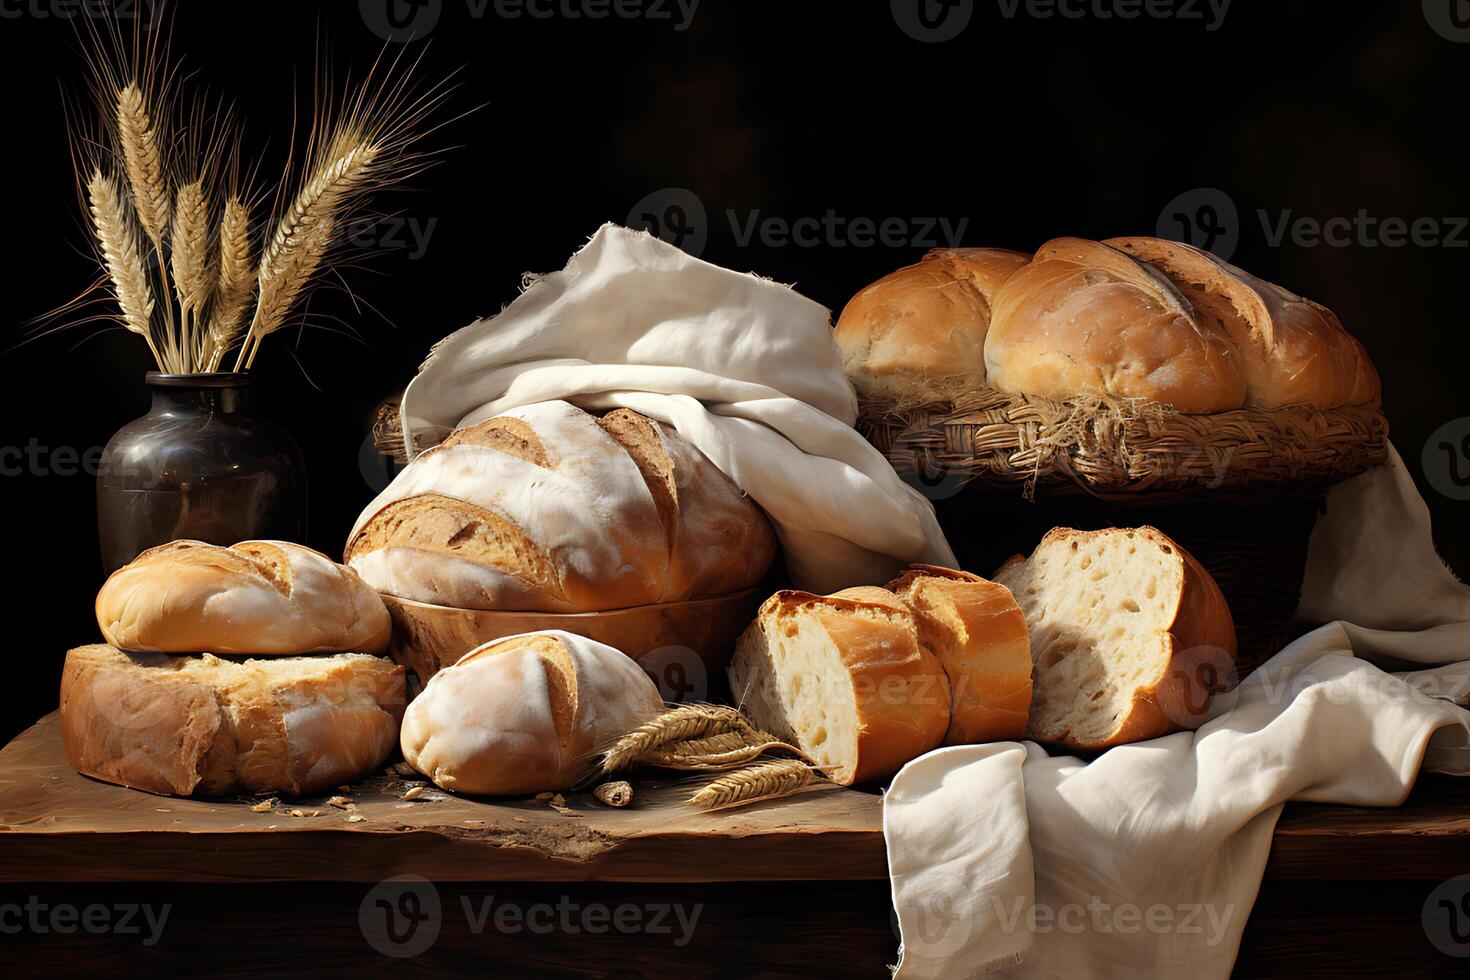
(794, 887)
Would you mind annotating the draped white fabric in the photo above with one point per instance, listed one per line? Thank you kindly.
(744, 368)
(1146, 861)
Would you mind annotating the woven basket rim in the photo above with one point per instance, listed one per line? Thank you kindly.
(1119, 448)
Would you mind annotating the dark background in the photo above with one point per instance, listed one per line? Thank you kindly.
(1024, 127)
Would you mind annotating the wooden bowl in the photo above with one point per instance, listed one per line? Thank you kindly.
(673, 641)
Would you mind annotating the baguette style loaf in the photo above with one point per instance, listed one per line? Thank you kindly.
(1130, 636)
(525, 714)
(548, 508)
(919, 333)
(866, 679)
(207, 726)
(256, 598)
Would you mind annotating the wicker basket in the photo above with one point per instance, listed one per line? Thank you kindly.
(1240, 490)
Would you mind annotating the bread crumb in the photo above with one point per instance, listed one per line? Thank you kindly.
(355, 818)
(619, 793)
(265, 807)
(543, 796)
(413, 793)
(558, 800)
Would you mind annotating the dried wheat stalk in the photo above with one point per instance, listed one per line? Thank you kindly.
(236, 281)
(679, 724)
(303, 236)
(117, 237)
(716, 761)
(762, 781)
(142, 157)
(193, 263)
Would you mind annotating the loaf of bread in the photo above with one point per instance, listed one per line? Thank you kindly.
(919, 333)
(548, 508)
(1136, 318)
(257, 598)
(203, 725)
(526, 714)
(1129, 635)
(866, 679)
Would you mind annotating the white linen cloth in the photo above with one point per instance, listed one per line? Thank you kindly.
(742, 367)
(1146, 861)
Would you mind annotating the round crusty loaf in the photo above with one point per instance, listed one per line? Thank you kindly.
(1084, 317)
(1130, 636)
(919, 333)
(1293, 351)
(548, 508)
(256, 597)
(526, 714)
(202, 725)
(975, 629)
(844, 678)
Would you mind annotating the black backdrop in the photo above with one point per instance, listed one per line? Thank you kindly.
(1021, 127)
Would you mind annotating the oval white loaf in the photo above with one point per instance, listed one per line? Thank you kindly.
(526, 714)
(548, 508)
(256, 598)
(203, 725)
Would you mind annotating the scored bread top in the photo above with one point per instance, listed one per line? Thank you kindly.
(255, 597)
(550, 508)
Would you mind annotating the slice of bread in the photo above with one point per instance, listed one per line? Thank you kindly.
(844, 678)
(1129, 635)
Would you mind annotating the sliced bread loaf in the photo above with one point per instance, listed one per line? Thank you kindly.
(1129, 635)
(844, 678)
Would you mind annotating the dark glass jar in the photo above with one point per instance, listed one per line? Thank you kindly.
(199, 465)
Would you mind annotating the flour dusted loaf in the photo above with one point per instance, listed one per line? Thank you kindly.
(257, 598)
(1129, 635)
(548, 508)
(525, 714)
(866, 679)
(207, 726)
(919, 333)
(1128, 318)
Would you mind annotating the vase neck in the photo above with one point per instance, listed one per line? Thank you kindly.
(203, 399)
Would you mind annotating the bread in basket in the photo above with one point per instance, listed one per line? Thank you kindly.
(1129, 381)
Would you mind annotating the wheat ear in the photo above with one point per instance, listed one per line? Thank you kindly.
(236, 281)
(679, 724)
(763, 781)
(715, 761)
(117, 238)
(303, 236)
(142, 156)
(190, 250)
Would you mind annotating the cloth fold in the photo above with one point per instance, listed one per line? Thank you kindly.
(742, 367)
(1146, 861)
